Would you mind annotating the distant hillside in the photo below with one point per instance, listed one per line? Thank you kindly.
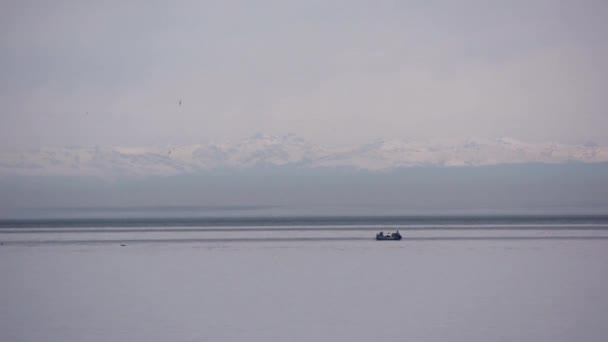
(280, 190)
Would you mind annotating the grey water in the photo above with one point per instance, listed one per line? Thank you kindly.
(460, 278)
(323, 222)
(132, 230)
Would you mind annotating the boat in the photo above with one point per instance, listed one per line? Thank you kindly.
(392, 236)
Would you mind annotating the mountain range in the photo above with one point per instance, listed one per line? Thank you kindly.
(263, 150)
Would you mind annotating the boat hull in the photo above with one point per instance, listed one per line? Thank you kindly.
(388, 238)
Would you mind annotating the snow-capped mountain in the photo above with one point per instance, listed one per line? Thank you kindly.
(264, 150)
(392, 154)
(259, 150)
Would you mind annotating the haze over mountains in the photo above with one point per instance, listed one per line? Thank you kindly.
(287, 175)
(263, 150)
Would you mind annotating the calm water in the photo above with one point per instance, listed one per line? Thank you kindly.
(284, 229)
(452, 278)
(344, 222)
(137, 284)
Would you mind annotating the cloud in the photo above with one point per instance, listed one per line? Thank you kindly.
(336, 72)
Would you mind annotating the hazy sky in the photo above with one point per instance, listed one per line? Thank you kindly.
(335, 72)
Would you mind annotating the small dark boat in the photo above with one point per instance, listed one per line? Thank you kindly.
(393, 236)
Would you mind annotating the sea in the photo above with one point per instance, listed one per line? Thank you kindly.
(179, 277)
(110, 230)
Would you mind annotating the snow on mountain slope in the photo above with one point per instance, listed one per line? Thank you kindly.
(264, 150)
(96, 161)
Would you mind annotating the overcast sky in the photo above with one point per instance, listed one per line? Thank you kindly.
(334, 72)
